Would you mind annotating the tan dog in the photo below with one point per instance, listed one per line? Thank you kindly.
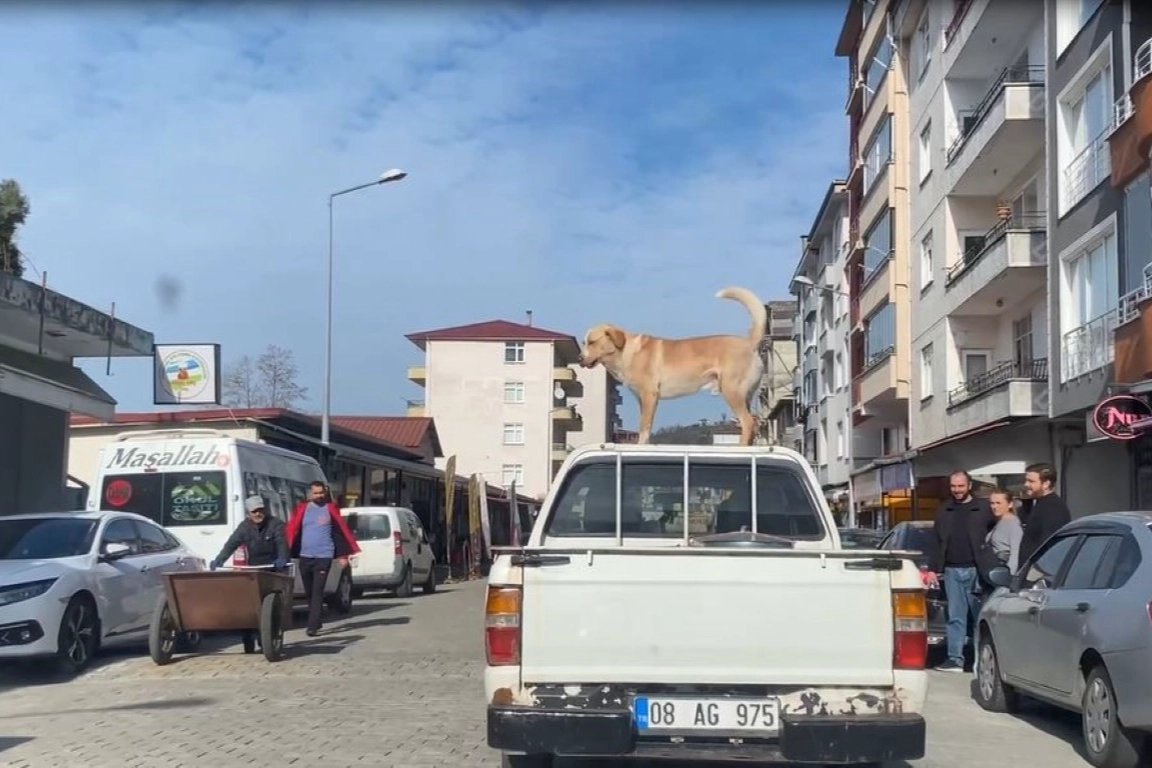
(662, 369)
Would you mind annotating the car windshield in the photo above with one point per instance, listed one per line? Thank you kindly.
(921, 539)
(45, 538)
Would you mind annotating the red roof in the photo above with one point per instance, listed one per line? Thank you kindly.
(408, 431)
(493, 330)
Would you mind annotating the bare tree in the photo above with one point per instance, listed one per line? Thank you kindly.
(268, 382)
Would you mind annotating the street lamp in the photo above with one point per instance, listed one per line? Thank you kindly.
(803, 281)
(388, 176)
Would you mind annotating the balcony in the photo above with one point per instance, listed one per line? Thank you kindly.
(560, 451)
(1132, 339)
(418, 374)
(1086, 172)
(563, 373)
(878, 380)
(1000, 136)
(983, 34)
(1010, 390)
(416, 409)
(1088, 348)
(1130, 137)
(564, 413)
(1009, 262)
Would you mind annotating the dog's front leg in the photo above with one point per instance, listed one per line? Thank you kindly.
(648, 402)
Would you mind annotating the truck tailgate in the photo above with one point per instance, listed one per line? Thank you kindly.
(687, 616)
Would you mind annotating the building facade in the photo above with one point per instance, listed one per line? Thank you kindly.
(779, 356)
(509, 400)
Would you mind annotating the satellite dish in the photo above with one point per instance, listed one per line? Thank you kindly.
(558, 393)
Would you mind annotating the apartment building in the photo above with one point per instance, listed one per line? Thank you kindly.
(824, 406)
(978, 237)
(779, 355)
(509, 400)
(877, 264)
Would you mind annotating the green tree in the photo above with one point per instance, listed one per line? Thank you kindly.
(14, 210)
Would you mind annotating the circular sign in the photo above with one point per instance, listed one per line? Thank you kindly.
(186, 374)
(118, 493)
(1115, 416)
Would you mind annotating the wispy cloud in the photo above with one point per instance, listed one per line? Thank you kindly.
(612, 163)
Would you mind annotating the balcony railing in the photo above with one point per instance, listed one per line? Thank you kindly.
(971, 119)
(1031, 222)
(1092, 166)
(1141, 68)
(873, 359)
(1010, 370)
(1128, 309)
(1089, 347)
(957, 19)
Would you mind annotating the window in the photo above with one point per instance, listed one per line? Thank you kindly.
(513, 352)
(927, 267)
(925, 154)
(121, 531)
(879, 334)
(1045, 566)
(154, 539)
(822, 450)
(652, 500)
(170, 499)
(1090, 569)
(878, 244)
(1089, 294)
(926, 376)
(1071, 16)
(922, 53)
(1084, 114)
(369, 527)
(889, 441)
(512, 473)
(877, 68)
(1022, 342)
(839, 370)
(975, 363)
(841, 448)
(45, 538)
(513, 434)
(878, 154)
(513, 392)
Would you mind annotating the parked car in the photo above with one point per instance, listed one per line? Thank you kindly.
(71, 582)
(919, 536)
(394, 551)
(860, 538)
(645, 618)
(1074, 628)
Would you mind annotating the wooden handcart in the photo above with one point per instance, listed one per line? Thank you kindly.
(253, 601)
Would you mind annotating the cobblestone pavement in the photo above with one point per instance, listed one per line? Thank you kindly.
(397, 683)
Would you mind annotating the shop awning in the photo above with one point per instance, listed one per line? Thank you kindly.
(53, 383)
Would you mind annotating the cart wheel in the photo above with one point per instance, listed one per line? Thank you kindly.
(272, 627)
(163, 633)
(188, 642)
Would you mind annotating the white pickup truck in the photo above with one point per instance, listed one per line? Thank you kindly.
(694, 602)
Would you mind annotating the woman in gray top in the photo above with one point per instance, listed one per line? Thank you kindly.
(1006, 536)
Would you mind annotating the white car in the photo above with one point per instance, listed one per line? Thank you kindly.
(71, 582)
(394, 551)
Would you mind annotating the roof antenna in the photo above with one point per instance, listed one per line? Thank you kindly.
(529, 313)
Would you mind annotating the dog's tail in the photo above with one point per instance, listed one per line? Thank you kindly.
(755, 308)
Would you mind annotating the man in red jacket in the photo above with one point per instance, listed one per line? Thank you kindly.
(316, 535)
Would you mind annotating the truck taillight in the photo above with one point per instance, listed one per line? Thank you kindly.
(240, 556)
(909, 629)
(502, 626)
(397, 543)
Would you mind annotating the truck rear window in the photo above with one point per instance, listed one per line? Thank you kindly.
(720, 500)
(170, 499)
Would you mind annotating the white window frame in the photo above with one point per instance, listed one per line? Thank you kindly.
(513, 433)
(838, 371)
(924, 152)
(1071, 17)
(513, 471)
(1095, 153)
(872, 175)
(513, 392)
(517, 350)
(924, 41)
(840, 442)
(927, 263)
(926, 371)
(1109, 228)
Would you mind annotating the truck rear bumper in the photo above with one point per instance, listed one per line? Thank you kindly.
(803, 738)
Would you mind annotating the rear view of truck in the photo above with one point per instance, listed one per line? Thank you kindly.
(693, 602)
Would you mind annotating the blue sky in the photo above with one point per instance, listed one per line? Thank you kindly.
(604, 163)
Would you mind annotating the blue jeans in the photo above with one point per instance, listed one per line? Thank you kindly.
(960, 585)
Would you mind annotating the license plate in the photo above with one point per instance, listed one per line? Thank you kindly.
(654, 713)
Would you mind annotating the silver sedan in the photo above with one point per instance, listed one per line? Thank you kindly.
(1074, 628)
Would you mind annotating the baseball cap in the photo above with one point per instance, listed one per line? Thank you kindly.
(253, 503)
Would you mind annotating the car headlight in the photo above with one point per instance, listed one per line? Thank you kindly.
(14, 593)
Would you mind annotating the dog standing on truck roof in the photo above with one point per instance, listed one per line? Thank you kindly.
(658, 369)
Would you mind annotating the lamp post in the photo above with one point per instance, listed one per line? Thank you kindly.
(326, 417)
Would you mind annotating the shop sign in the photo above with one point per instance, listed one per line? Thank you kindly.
(1116, 417)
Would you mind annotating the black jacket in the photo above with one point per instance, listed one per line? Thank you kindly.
(265, 543)
(1049, 514)
(979, 521)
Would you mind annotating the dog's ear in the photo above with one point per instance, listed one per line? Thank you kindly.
(616, 336)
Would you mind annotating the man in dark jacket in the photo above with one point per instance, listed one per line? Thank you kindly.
(962, 523)
(260, 534)
(1049, 512)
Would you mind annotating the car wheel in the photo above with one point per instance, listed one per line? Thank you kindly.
(341, 601)
(162, 633)
(405, 588)
(1108, 744)
(429, 585)
(991, 692)
(526, 761)
(78, 637)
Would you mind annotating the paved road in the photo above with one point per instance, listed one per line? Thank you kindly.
(398, 683)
